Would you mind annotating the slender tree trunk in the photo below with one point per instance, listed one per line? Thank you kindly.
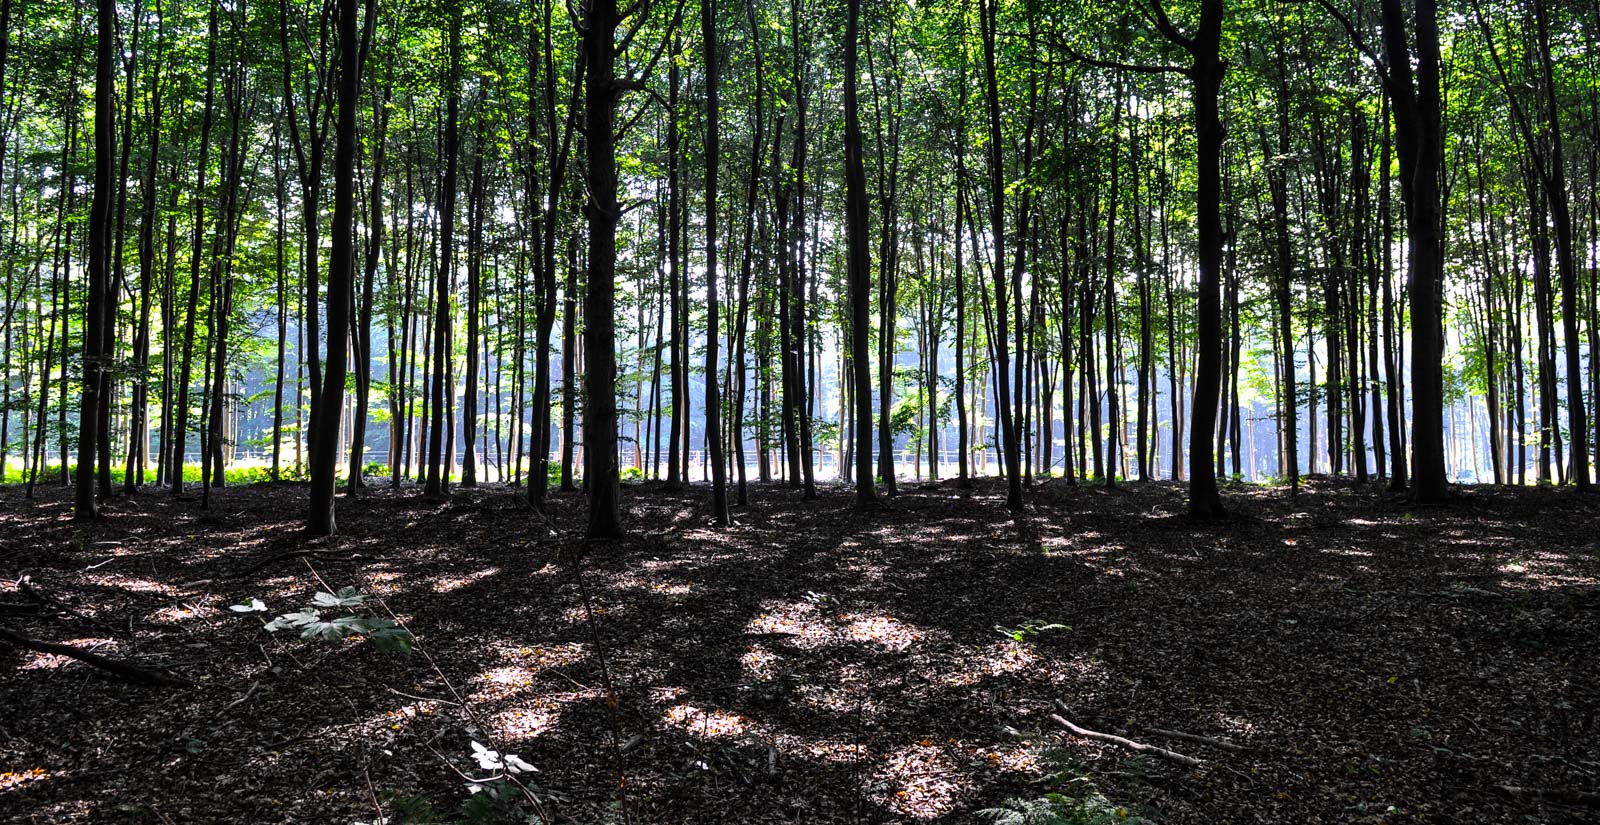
(438, 474)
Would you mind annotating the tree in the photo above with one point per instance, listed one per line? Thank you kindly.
(860, 278)
(341, 271)
(719, 471)
(1415, 100)
(94, 349)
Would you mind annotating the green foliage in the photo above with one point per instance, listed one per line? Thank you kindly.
(1074, 800)
(1060, 809)
(332, 617)
(1028, 630)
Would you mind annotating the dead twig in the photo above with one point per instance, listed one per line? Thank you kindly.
(1219, 744)
(1153, 750)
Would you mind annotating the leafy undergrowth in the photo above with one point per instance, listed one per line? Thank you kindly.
(814, 663)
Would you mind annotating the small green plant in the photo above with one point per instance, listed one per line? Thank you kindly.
(1061, 809)
(1028, 629)
(333, 616)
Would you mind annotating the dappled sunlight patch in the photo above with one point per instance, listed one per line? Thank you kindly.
(12, 780)
(384, 582)
(920, 781)
(1021, 758)
(830, 697)
(761, 664)
(500, 682)
(832, 751)
(451, 583)
(705, 724)
(578, 616)
(131, 584)
(413, 710)
(799, 620)
(180, 613)
(522, 665)
(517, 724)
(1006, 657)
(55, 661)
(884, 631)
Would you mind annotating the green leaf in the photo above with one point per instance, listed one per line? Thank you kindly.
(346, 597)
(298, 619)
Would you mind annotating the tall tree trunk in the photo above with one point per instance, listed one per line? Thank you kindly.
(1417, 104)
(84, 504)
(180, 426)
(438, 474)
(988, 14)
(601, 89)
(857, 265)
(341, 270)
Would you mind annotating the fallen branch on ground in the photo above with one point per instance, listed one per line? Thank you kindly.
(46, 600)
(1153, 750)
(132, 673)
(1558, 795)
(1203, 740)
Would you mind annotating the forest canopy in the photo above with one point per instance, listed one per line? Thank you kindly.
(468, 241)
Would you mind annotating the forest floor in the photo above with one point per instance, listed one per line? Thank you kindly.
(816, 662)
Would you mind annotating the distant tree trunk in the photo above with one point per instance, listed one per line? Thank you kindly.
(963, 446)
(988, 15)
(180, 426)
(309, 164)
(1391, 367)
(719, 481)
(857, 265)
(677, 440)
(1566, 256)
(116, 280)
(746, 258)
(369, 276)
(556, 154)
(475, 204)
(138, 425)
(569, 368)
(1278, 184)
(438, 474)
(800, 326)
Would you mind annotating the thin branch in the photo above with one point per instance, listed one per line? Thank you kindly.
(1080, 57)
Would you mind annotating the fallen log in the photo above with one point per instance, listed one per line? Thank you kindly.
(1123, 742)
(130, 672)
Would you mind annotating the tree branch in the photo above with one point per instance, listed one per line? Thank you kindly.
(1080, 57)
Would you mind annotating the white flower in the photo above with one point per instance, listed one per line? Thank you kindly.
(492, 760)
